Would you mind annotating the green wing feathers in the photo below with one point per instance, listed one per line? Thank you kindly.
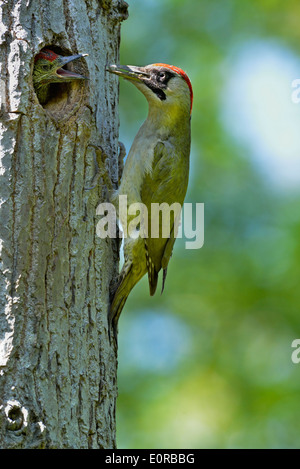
(162, 185)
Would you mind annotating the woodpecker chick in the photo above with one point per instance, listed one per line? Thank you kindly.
(49, 68)
(156, 171)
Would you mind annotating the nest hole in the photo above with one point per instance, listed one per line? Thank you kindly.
(65, 98)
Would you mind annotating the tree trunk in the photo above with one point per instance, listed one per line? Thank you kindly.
(57, 367)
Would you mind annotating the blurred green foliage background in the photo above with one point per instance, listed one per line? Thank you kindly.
(208, 363)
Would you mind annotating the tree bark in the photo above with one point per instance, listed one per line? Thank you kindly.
(57, 367)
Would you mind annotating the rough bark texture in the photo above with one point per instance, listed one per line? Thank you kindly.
(57, 368)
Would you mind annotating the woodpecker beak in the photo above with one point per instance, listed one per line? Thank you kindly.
(129, 72)
(67, 74)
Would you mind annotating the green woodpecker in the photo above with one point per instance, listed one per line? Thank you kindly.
(156, 171)
(49, 68)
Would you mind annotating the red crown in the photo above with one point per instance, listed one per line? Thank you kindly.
(47, 55)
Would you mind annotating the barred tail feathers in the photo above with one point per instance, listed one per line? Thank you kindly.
(152, 272)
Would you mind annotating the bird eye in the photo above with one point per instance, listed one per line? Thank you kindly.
(161, 76)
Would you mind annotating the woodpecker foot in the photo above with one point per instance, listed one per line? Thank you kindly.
(100, 170)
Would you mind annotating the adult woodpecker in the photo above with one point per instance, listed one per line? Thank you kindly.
(156, 171)
(49, 68)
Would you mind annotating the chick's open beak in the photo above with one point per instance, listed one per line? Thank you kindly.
(63, 72)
